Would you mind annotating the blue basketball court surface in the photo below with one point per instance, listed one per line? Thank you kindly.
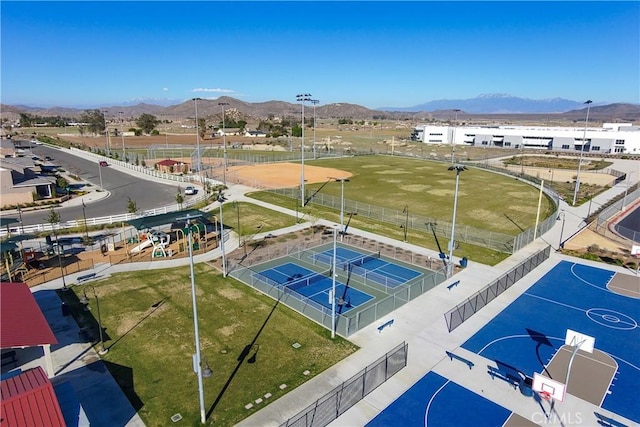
(527, 335)
(315, 286)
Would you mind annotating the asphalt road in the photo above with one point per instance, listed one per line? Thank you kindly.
(145, 193)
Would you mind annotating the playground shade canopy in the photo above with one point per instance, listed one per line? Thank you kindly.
(167, 218)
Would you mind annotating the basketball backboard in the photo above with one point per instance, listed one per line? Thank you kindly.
(543, 385)
(582, 341)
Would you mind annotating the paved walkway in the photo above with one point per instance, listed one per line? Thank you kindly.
(420, 323)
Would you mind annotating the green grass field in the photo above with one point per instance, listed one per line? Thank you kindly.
(246, 339)
(486, 200)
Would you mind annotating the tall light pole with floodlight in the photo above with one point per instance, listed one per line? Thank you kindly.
(584, 142)
(453, 141)
(195, 100)
(225, 164)
(303, 97)
(458, 169)
(84, 300)
(314, 102)
(197, 362)
(341, 181)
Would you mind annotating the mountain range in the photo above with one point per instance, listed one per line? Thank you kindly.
(495, 106)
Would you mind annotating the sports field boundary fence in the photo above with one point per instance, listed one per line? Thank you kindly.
(609, 214)
(490, 239)
(350, 322)
(462, 312)
(336, 402)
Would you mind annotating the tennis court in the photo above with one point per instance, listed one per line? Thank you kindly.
(369, 266)
(315, 286)
(528, 337)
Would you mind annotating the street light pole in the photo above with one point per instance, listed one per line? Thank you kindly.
(453, 142)
(124, 153)
(584, 142)
(84, 218)
(561, 216)
(224, 261)
(406, 221)
(195, 100)
(224, 146)
(333, 284)
(85, 301)
(314, 102)
(458, 169)
(302, 98)
(106, 133)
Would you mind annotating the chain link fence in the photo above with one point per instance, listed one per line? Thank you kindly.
(335, 403)
(462, 312)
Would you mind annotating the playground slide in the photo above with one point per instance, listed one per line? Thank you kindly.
(141, 246)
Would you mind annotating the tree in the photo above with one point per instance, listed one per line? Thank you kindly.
(202, 127)
(179, 199)
(147, 122)
(131, 206)
(53, 217)
(94, 120)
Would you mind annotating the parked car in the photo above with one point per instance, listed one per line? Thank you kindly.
(48, 159)
(103, 163)
(190, 190)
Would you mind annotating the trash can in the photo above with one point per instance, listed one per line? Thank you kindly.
(525, 386)
(463, 262)
(65, 309)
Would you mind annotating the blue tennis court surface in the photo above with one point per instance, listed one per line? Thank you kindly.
(369, 266)
(529, 332)
(434, 401)
(315, 286)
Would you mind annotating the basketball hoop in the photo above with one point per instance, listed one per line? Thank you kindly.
(545, 395)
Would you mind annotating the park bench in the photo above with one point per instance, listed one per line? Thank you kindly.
(456, 283)
(86, 277)
(385, 324)
(504, 376)
(452, 356)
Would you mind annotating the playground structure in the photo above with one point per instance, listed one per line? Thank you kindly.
(158, 239)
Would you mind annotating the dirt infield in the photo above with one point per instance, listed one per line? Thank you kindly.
(279, 175)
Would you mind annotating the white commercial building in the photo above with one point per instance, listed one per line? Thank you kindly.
(621, 138)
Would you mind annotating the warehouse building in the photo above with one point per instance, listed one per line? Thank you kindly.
(611, 138)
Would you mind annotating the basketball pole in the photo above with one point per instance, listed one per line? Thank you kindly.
(576, 347)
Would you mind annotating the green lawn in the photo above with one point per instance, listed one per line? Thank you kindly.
(246, 339)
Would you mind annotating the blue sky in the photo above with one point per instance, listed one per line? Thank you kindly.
(375, 54)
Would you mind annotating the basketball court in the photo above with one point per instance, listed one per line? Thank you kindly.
(572, 336)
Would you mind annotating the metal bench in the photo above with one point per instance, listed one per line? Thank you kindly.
(385, 324)
(452, 356)
(456, 283)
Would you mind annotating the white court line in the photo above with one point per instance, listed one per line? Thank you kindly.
(426, 411)
(589, 283)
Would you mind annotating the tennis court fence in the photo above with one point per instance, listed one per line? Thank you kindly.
(462, 312)
(350, 322)
(335, 403)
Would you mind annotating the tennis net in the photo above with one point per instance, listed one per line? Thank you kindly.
(308, 280)
(359, 260)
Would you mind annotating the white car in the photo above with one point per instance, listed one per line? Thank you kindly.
(190, 190)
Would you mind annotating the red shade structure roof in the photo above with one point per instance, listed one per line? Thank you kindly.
(28, 399)
(22, 323)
